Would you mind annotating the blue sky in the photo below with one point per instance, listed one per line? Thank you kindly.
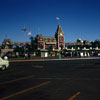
(78, 18)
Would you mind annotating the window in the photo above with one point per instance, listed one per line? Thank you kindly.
(61, 39)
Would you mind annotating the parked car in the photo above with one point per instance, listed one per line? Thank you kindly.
(3, 64)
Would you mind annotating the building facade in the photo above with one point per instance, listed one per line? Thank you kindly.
(40, 43)
(55, 43)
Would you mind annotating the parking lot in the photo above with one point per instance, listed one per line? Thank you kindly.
(51, 80)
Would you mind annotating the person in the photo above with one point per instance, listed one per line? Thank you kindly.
(25, 57)
(17, 54)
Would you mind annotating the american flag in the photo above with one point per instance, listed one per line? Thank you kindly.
(29, 33)
(57, 18)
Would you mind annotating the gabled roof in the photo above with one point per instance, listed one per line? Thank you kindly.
(59, 29)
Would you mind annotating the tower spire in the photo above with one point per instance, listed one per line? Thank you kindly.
(59, 35)
(59, 30)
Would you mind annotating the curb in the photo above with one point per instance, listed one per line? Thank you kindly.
(30, 60)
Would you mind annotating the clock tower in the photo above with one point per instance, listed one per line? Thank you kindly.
(59, 35)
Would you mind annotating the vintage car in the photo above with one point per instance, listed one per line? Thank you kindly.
(3, 64)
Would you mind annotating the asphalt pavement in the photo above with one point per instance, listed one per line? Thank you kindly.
(54, 79)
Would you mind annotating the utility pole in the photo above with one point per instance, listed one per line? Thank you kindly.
(24, 34)
(24, 37)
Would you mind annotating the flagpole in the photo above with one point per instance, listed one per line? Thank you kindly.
(58, 20)
(24, 34)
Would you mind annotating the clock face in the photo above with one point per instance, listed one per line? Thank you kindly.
(61, 34)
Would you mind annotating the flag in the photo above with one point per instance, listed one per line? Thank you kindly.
(29, 33)
(57, 18)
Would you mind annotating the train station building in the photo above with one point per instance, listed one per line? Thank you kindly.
(51, 46)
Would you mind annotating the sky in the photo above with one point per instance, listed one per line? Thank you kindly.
(78, 19)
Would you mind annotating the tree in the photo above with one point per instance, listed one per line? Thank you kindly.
(20, 50)
(16, 49)
(32, 47)
(61, 46)
(50, 49)
(96, 43)
(28, 48)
